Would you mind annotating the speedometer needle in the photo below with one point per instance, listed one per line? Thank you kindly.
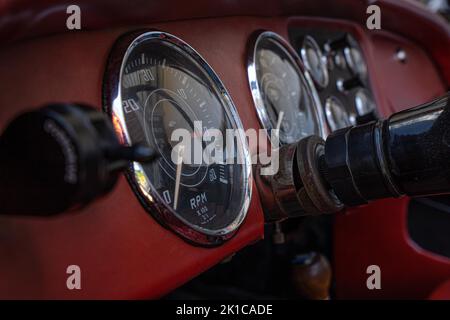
(279, 121)
(178, 176)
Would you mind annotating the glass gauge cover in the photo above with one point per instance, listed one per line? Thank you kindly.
(337, 116)
(364, 102)
(314, 61)
(282, 89)
(156, 84)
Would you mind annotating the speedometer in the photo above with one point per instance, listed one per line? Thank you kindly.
(156, 88)
(282, 90)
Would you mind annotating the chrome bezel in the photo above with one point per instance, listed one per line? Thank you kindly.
(308, 40)
(303, 73)
(150, 198)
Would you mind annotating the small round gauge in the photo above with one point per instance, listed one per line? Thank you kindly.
(355, 59)
(283, 92)
(337, 116)
(339, 60)
(160, 92)
(364, 102)
(314, 61)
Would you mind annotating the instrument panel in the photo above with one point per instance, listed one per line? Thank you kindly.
(162, 94)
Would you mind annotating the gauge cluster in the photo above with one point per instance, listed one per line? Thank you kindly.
(339, 71)
(156, 84)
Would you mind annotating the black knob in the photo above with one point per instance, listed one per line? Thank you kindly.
(349, 84)
(368, 117)
(59, 157)
(338, 43)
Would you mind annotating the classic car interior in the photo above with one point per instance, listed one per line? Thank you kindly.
(356, 112)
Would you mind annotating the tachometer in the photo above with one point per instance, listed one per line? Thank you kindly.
(282, 90)
(157, 85)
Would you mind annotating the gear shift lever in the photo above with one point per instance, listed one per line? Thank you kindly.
(407, 154)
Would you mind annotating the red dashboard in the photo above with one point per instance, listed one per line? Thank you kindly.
(123, 252)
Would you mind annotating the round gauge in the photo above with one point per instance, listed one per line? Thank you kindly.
(314, 61)
(364, 102)
(162, 94)
(355, 60)
(336, 114)
(283, 92)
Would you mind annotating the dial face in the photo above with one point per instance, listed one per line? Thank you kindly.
(314, 61)
(169, 97)
(282, 95)
(336, 114)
